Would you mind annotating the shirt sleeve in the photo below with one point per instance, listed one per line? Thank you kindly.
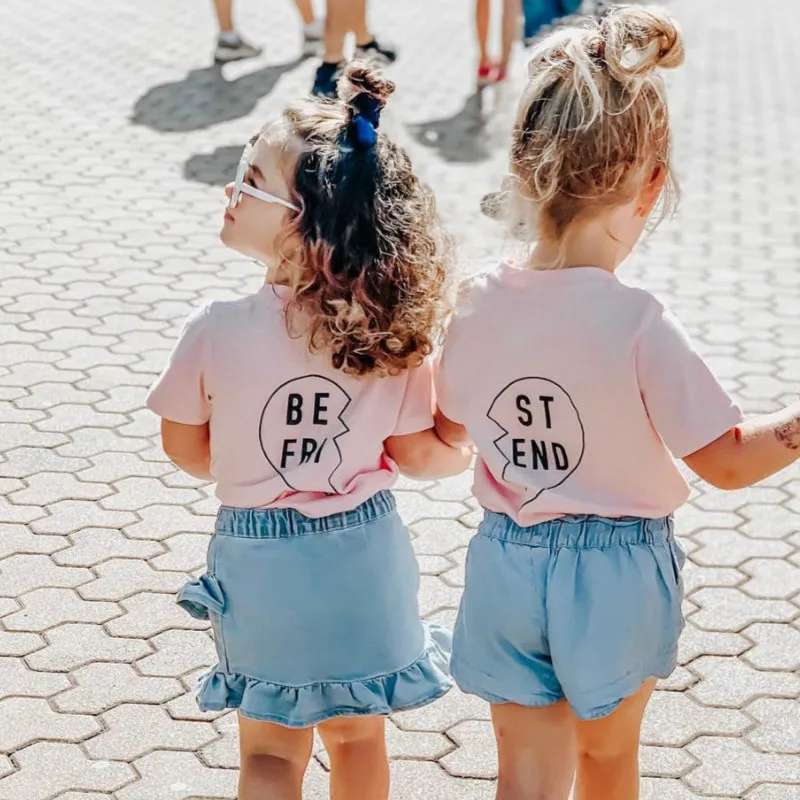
(686, 403)
(416, 408)
(179, 394)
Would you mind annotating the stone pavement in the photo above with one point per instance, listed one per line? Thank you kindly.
(116, 135)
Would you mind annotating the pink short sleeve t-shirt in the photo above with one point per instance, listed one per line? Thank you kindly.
(287, 430)
(578, 392)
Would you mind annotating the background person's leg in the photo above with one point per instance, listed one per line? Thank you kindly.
(230, 46)
(313, 28)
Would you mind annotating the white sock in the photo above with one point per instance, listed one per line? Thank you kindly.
(229, 37)
(315, 29)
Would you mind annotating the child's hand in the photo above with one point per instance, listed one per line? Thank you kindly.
(425, 456)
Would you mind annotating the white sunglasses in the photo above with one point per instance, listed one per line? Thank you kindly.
(240, 187)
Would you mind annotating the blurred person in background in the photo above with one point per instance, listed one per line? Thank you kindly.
(489, 70)
(232, 47)
(343, 17)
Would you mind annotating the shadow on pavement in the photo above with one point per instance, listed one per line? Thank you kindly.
(462, 138)
(204, 97)
(214, 169)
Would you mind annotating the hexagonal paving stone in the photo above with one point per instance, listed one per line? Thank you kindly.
(92, 546)
(776, 646)
(721, 548)
(181, 776)
(769, 521)
(49, 487)
(133, 730)
(147, 614)
(17, 680)
(103, 686)
(28, 719)
(423, 780)
(732, 683)
(672, 719)
(161, 522)
(46, 608)
(20, 539)
(72, 646)
(778, 730)
(122, 577)
(51, 768)
(19, 644)
(731, 767)
(133, 494)
(774, 791)
(178, 652)
(695, 642)
(68, 516)
(185, 552)
(444, 714)
(771, 578)
(476, 753)
(731, 610)
(22, 573)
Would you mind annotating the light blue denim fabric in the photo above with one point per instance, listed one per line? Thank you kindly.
(582, 607)
(316, 618)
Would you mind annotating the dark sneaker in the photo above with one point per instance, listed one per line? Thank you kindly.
(234, 50)
(378, 53)
(326, 79)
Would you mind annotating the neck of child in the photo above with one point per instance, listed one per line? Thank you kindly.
(587, 244)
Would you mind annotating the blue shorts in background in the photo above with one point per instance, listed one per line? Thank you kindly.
(316, 618)
(581, 607)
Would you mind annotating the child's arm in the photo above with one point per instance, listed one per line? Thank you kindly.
(756, 449)
(453, 433)
(425, 456)
(187, 446)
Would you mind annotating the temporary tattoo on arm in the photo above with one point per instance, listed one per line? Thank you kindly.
(789, 434)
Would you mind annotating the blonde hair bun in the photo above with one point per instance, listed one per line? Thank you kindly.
(636, 40)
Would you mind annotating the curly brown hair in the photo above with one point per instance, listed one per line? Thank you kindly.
(366, 258)
(593, 124)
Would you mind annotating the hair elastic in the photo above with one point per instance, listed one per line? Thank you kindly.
(366, 119)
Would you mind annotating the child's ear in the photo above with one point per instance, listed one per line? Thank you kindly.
(652, 190)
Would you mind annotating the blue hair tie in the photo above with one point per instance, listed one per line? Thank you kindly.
(366, 119)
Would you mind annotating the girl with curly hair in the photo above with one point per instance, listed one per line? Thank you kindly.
(302, 402)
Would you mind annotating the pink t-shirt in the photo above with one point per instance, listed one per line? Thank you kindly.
(287, 429)
(577, 391)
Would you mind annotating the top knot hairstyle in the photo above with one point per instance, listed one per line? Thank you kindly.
(593, 123)
(367, 258)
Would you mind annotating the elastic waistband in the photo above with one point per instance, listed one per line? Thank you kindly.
(282, 523)
(578, 531)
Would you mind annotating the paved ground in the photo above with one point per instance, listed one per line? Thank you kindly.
(115, 138)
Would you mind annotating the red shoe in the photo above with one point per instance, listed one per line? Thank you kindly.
(486, 74)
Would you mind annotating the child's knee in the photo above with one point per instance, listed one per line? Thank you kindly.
(345, 731)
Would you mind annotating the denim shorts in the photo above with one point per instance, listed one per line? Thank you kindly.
(581, 608)
(316, 618)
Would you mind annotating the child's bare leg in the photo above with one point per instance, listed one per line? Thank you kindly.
(359, 763)
(274, 760)
(512, 11)
(608, 751)
(482, 9)
(535, 751)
